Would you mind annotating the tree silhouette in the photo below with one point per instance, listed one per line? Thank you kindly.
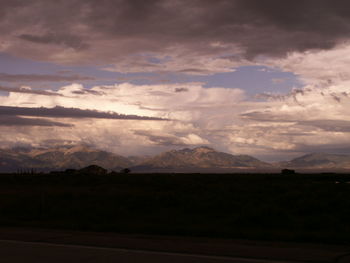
(125, 170)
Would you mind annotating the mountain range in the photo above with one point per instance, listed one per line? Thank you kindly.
(199, 159)
(319, 161)
(59, 158)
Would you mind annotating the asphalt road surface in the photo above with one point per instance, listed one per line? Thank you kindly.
(29, 245)
(36, 252)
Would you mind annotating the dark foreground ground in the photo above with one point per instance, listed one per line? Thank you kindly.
(298, 208)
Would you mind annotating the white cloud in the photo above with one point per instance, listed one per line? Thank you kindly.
(193, 110)
(151, 100)
(311, 120)
(318, 67)
(221, 117)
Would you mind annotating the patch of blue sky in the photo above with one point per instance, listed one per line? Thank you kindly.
(256, 79)
(157, 60)
(252, 79)
(13, 65)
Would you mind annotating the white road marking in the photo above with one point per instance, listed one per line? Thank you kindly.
(150, 252)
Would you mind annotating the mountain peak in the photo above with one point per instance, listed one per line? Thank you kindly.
(199, 149)
(319, 161)
(203, 149)
(79, 148)
(63, 149)
(318, 155)
(202, 157)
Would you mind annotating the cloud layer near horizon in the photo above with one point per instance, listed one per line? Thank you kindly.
(302, 121)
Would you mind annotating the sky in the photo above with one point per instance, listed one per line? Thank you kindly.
(267, 78)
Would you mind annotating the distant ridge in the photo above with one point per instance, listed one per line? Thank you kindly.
(60, 158)
(319, 161)
(199, 159)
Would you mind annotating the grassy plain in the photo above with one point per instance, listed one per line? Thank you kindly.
(312, 208)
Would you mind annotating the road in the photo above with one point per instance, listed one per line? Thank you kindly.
(36, 252)
(64, 246)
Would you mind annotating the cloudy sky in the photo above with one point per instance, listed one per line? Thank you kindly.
(266, 78)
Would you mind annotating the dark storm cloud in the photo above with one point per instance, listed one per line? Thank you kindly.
(8, 120)
(153, 78)
(283, 97)
(28, 91)
(177, 90)
(69, 41)
(87, 91)
(269, 27)
(265, 116)
(165, 140)
(47, 93)
(298, 25)
(194, 71)
(323, 124)
(41, 78)
(61, 112)
(329, 125)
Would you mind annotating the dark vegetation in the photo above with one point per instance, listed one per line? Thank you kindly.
(314, 208)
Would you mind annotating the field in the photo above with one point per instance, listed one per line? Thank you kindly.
(312, 208)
